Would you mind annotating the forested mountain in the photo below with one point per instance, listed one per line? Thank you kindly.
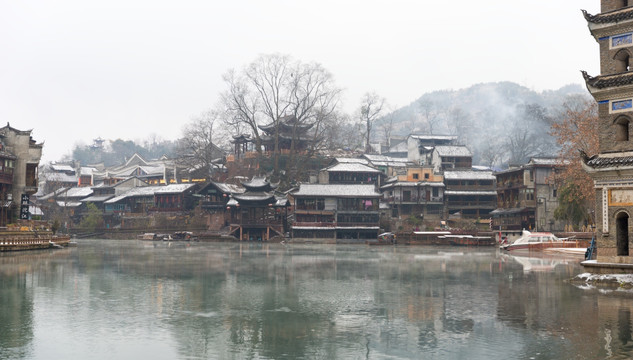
(500, 122)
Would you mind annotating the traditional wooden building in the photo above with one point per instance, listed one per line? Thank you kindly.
(420, 147)
(336, 213)
(612, 168)
(350, 173)
(289, 133)
(257, 214)
(527, 198)
(175, 198)
(469, 194)
(419, 193)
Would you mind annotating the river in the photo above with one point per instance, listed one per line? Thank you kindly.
(107, 299)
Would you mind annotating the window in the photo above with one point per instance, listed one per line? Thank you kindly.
(416, 176)
(623, 3)
(622, 129)
(554, 193)
(622, 61)
(426, 176)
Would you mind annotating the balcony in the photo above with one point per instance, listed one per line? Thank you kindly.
(315, 224)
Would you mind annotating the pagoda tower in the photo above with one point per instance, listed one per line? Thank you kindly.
(612, 168)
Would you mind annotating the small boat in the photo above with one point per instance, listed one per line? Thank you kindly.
(469, 240)
(542, 240)
(387, 238)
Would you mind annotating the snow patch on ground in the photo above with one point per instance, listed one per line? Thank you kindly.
(619, 282)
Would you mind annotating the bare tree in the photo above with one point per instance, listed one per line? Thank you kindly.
(197, 147)
(370, 110)
(430, 113)
(459, 123)
(274, 87)
(387, 127)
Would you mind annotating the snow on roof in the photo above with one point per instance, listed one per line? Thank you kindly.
(60, 177)
(229, 188)
(352, 167)
(257, 182)
(173, 188)
(78, 192)
(468, 175)
(52, 194)
(384, 160)
(134, 192)
(434, 137)
(544, 161)
(453, 150)
(97, 198)
(62, 167)
(68, 203)
(351, 160)
(87, 170)
(332, 190)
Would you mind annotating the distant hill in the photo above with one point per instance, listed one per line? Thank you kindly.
(500, 122)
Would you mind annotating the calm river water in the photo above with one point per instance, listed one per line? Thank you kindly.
(156, 300)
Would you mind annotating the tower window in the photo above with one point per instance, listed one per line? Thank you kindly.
(622, 129)
(624, 3)
(622, 61)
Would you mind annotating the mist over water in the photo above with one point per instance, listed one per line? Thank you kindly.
(131, 299)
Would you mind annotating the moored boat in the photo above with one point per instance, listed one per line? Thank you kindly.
(387, 238)
(536, 241)
(469, 240)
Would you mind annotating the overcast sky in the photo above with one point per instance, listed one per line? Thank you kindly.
(74, 70)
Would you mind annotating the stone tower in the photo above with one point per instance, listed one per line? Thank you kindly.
(612, 168)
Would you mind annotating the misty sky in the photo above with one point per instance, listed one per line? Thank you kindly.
(74, 70)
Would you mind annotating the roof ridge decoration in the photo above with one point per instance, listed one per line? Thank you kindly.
(613, 16)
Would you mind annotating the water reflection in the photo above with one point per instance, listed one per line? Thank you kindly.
(117, 299)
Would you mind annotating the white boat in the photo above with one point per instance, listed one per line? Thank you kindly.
(542, 240)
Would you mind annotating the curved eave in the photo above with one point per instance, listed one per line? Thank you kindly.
(594, 169)
(609, 87)
(609, 23)
(610, 17)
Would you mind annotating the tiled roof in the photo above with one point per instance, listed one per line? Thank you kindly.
(134, 192)
(352, 167)
(351, 160)
(434, 137)
(62, 167)
(607, 81)
(230, 188)
(544, 161)
(173, 188)
(78, 192)
(256, 182)
(455, 150)
(254, 196)
(610, 16)
(60, 177)
(97, 198)
(52, 194)
(332, 190)
(468, 175)
(607, 161)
